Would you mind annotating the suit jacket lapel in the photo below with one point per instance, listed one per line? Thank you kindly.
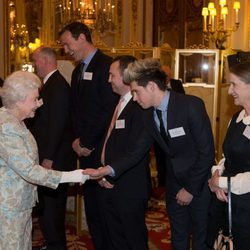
(91, 65)
(48, 82)
(126, 109)
(171, 110)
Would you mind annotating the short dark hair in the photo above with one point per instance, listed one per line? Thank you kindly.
(242, 70)
(145, 70)
(124, 61)
(77, 28)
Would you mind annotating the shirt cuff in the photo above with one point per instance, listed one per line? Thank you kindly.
(112, 174)
(223, 182)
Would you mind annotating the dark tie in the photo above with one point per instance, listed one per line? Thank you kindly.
(162, 128)
(80, 75)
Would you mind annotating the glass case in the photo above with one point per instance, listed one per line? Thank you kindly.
(197, 66)
(199, 71)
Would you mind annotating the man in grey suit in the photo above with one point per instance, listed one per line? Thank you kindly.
(52, 129)
(181, 126)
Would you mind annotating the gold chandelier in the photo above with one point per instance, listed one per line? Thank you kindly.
(98, 15)
(218, 30)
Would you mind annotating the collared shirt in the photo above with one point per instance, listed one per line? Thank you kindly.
(163, 107)
(126, 98)
(87, 60)
(45, 79)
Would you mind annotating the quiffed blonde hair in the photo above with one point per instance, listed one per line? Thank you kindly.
(17, 86)
(144, 70)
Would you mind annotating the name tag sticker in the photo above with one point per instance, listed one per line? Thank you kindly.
(120, 124)
(87, 75)
(246, 132)
(176, 132)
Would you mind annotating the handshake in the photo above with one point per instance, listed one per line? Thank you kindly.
(81, 176)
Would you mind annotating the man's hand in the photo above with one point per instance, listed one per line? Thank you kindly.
(104, 183)
(97, 173)
(46, 163)
(81, 151)
(183, 197)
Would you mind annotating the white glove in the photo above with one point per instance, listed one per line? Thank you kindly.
(74, 176)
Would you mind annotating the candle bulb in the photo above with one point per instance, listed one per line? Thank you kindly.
(237, 8)
(204, 14)
(61, 14)
(223, 3)
(210, 7)
(113, 13)
(213, 14)
(109, 11)
(224, 13)
(96, 8)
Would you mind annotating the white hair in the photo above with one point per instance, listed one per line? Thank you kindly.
(17, 86)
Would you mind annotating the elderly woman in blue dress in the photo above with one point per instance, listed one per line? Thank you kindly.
(19, 169)
(236, 162)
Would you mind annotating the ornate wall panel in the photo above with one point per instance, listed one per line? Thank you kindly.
(179, 22)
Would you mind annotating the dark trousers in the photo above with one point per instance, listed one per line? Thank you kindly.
(51, 211)
(189, 220)
(125, 222)
(160, 157)
(94, 217)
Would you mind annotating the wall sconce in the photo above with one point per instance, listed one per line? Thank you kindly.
(219, 32)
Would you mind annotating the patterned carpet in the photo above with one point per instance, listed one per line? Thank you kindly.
(157, 223)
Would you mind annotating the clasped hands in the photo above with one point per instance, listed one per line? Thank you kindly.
(98, 174)
(183, 197)
(81, 151)
(213, 184)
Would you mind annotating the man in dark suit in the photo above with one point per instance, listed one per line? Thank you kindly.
(125, 155)
(52, 130)
(175, 85)
(93, 102)
(182, 128)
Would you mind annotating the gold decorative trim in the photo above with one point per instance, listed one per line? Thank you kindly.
(134, 8)
(248, 24)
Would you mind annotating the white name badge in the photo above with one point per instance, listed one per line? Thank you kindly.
(120, 124)
(87, 75)
(176, 132)
(246, 132)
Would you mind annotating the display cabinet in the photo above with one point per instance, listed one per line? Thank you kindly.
(199, 71)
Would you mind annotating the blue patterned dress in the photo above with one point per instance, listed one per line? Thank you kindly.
(19, 175)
